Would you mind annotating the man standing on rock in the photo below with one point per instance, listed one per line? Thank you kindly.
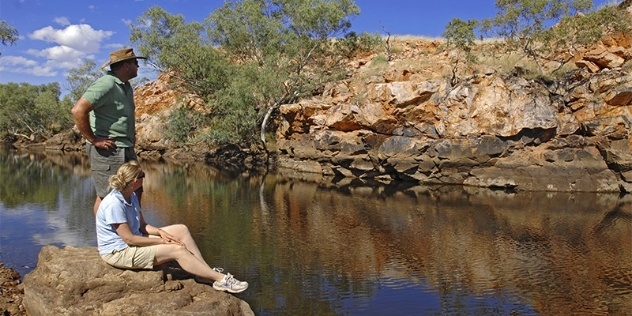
(105, 117)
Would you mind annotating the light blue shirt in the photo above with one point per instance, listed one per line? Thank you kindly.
(115, 210)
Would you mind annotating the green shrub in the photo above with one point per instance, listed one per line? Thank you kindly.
(182, 122)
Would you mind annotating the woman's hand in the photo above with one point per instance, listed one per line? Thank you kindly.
(168, 238)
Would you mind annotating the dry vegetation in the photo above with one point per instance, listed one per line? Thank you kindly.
(430, 58)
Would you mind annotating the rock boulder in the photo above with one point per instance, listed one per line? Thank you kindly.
(76, 281)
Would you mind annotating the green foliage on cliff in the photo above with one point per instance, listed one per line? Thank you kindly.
(583, 30)
(460, 35)
(182, 122)
(249, 57)
(542, 30)
(32, 111)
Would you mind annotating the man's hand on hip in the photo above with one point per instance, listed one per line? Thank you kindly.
(104, 142)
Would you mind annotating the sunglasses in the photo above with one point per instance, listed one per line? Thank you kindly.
(141, 175)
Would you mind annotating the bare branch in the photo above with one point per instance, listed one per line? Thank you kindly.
(388, 43)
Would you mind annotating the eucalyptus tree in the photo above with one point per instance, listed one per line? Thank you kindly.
(8, 34)
(81, 77)
(251, 56)
(173, 45)
(286, 44)
(31, 111)
(181, 49)
(460, 35)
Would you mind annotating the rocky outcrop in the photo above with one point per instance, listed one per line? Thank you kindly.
(76, 281)
(154, 102)
(481, 127)
(603, 58)
(488, 130)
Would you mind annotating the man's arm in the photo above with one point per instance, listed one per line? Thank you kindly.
(81, 114)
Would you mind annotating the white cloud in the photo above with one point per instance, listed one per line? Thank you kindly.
(62, 20)
(81, 37)
(40, 71)
(16, 61)
(65, 64)
(57, 57)
(71, 45)
(114, 46)
(58, 53)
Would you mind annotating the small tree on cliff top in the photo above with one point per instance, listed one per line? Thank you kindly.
(460, 35)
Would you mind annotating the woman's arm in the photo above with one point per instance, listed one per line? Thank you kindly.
(148, 229)
(129, 238)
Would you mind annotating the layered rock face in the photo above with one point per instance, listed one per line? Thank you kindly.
(76, 281)
(419, 122)
(488, 130)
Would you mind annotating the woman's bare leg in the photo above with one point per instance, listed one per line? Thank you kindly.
(192, 262)
(184, 235)
(187, 260)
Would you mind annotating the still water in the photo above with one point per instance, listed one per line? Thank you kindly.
(351, 248)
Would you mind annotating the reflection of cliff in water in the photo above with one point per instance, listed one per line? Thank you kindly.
(568, 253)
(561, 253)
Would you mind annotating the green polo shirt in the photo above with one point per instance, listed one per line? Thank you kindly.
(113, 114)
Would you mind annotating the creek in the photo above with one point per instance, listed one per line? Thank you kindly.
(354, 247)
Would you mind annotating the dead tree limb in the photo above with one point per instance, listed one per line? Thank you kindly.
(388, 43)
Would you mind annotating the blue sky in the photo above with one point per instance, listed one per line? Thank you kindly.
(56, 35)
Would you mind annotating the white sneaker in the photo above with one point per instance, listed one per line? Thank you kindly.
(230, 284)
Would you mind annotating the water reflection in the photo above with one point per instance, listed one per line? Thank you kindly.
(353, 249)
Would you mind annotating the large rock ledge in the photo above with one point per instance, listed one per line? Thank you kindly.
(76, 281)
(489, 130)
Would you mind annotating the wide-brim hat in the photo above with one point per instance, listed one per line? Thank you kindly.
(121, 55)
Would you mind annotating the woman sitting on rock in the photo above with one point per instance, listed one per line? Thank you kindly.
(126, 241)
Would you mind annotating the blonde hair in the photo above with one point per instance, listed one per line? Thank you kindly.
(127, 173)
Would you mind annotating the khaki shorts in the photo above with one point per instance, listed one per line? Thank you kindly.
(132, 257)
